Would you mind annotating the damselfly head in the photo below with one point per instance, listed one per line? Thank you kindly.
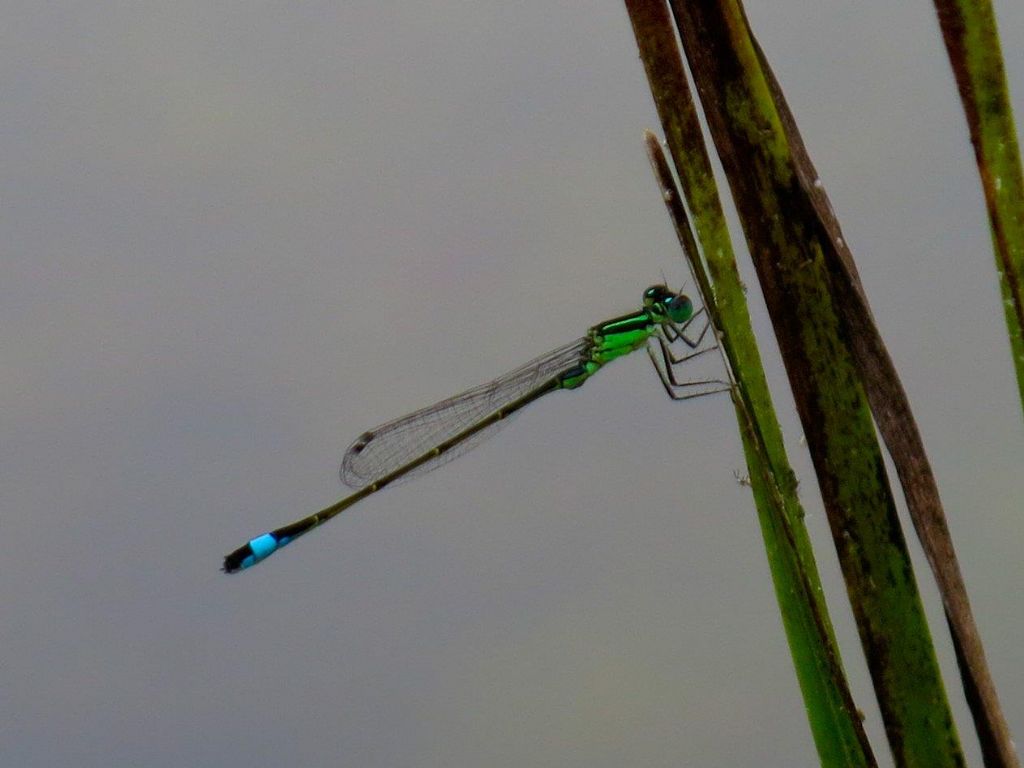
(664, 304)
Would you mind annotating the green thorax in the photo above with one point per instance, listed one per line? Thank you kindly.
(622, 335)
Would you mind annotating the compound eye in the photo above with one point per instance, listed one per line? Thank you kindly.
(679, 308)
(656, 294)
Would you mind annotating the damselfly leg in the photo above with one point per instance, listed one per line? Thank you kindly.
(667, 335)
(674, 332)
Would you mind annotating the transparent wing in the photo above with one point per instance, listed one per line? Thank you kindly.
(385, 448)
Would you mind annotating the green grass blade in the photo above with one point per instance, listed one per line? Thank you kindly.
(788, 248)
(972, 41)
(799, 265)
(835, 722)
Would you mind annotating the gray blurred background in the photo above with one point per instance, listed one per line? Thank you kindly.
(236, 235)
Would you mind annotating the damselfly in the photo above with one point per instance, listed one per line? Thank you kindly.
(430, 437)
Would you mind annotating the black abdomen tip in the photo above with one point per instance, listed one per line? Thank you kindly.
(233, 563)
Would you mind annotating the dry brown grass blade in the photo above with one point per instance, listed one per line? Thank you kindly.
(782, 204)
(834, 719)
(899, 430)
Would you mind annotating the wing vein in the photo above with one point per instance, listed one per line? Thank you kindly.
(389, 446)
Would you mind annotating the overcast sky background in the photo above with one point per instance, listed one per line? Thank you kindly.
(236, 235)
